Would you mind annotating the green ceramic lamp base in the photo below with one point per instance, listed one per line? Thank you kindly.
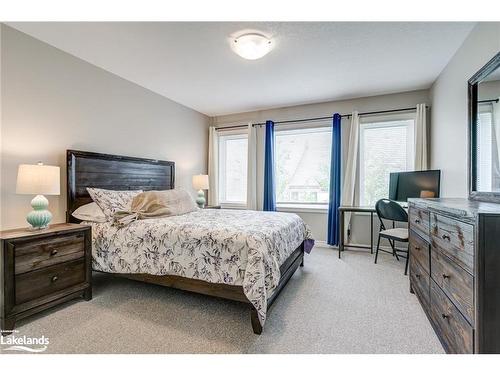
(200, 200)
(40, 217)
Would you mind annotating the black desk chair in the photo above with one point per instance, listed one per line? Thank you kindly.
(390, 210)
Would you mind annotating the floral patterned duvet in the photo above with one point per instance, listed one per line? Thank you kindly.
(235, 247)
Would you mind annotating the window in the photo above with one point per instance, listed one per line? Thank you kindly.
(384, 147)
(233, 154)
(484, 154)
(303, 166)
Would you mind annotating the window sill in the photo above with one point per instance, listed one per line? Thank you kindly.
(311, 208)
(233, 206)
(363, 214)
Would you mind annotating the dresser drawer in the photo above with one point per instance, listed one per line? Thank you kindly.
(419, 280)
(455, 239)
(419, 222)
(419, 250)
(33, 255)
(457, 283)
(32, 285)
(455, 332)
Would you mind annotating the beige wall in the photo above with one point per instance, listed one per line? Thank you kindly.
(318, 220)
(449, 107)
(52, 101)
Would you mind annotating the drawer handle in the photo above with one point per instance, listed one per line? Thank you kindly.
(445, 237)
(417, 248)
(53, 252)
(54, 279)
(445, 316)
(445, 276)
(417, 276)
(417, 221)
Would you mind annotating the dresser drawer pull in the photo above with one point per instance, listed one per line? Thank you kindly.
(417, 248)
(417, 276)
(53, 252)
(445, 237)
(54, 279)
(417, 221)
(445, 316)
(445, 276)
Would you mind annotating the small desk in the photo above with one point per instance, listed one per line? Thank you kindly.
(342, 211)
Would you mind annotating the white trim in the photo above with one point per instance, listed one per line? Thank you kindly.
(384, 122)
(306, 125)
(229, 132)
(324, 245)
(233, 206)
(387, 117)
(323, 209)
(305, 128)
(223, 137)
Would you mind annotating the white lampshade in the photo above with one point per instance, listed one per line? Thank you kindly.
(38, 179)
(200, 182)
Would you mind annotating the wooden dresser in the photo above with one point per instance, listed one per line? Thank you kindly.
(43, 268)
(455, 270)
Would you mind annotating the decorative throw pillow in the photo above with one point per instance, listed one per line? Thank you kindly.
(90, 212)
(111, 201)
(157, 204)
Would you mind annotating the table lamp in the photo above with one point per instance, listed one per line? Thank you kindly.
(38, 179)
(200, 183)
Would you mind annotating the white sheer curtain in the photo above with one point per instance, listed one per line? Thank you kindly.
(421, 151)
(213, 166)
(252, 168)
(255, 174)
(350, 172)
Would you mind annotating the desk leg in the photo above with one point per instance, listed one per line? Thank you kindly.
(341, 242)
(371, 232)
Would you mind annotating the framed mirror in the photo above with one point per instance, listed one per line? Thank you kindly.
(484, 132)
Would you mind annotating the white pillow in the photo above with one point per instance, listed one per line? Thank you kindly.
(111, 201)
(90, 212)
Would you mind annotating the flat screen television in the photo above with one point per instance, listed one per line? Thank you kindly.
(417, 184)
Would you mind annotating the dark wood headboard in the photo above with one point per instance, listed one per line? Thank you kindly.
(91, 169)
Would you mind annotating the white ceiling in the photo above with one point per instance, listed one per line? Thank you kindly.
(192, 63)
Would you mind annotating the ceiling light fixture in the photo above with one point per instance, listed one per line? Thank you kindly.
(252, 46)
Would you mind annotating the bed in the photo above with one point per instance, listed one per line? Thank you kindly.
(240, 255)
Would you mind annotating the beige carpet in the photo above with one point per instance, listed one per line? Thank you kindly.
(329, 306)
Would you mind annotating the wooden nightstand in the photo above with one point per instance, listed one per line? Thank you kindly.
(43, 268)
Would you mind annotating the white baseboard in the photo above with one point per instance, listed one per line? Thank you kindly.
(325, 245)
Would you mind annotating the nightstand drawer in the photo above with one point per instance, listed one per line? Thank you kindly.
(33, 255)
(32, 285)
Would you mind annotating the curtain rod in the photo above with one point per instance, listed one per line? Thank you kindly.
(489, 101)
(320, 118)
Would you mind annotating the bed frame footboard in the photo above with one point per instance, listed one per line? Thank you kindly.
(287, 270)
